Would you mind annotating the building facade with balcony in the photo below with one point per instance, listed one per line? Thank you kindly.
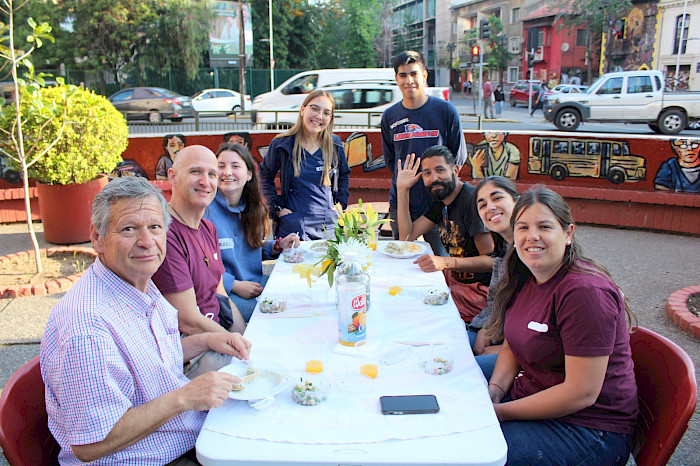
(672, 51)
(467, 17)
(560, 51)
(423, 25)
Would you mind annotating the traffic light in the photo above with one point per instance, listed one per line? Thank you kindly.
(475, 53)
(485, 29)
(530, 59)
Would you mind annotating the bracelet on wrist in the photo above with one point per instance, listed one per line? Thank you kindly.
(498, 387)
(277, 247)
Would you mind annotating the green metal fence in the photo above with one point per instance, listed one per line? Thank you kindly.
(104, 82)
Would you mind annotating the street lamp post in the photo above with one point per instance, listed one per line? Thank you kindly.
(272, 57)
(450, 48)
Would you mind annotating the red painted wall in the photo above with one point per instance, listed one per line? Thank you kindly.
(594, 198)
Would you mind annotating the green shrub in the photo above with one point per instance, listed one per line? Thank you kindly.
(94, 137)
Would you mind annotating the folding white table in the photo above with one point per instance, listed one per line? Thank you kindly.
(349, 429)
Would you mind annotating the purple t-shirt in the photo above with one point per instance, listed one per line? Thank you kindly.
(576, 314)
(184, 266)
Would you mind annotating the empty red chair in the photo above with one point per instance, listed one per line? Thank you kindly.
(24, 433)
(667, 394)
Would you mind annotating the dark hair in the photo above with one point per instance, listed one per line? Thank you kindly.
(439, 151)
(406, 58)
(170, 136)
(248, 141)
(499, 243)
(254, 217)
(516, 272)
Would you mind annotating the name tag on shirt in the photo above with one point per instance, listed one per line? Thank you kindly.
(225, 243)
(538, 327)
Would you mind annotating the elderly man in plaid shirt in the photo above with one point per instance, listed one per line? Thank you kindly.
(112, 356)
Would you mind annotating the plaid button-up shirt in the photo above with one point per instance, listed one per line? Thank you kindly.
(107, 348)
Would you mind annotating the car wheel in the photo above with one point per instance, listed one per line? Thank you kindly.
(558, 172)
(654, 128)
(567, 119)
(236, 109)
(176, 120)
(513, 103)
(616, 176)
(672, 122)
(13, 176)
(154, 116)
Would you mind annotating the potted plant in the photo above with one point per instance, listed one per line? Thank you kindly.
(85, 141)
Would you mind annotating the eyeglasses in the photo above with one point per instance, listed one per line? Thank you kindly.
(688, 145)
(316, 110)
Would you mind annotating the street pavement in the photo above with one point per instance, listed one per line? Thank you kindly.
(647, 266)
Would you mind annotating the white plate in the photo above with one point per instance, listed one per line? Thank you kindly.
(316, 252)
(272, 378)
(418, 248)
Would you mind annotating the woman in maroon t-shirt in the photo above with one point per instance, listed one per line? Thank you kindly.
(565, 326)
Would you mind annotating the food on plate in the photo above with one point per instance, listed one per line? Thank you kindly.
(273, 305)
(438, 366)
(237, 387)
(309, 392)
(402, 249)
(394, 290)
(293, 256)
(436, 297)
(319, 248)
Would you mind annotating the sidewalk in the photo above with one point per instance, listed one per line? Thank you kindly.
(647, 266)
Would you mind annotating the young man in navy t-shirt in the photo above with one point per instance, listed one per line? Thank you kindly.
(410, 127)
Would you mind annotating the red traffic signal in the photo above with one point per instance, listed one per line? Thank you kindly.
(475, 51)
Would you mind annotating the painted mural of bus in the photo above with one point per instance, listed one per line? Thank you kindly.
(592, 158)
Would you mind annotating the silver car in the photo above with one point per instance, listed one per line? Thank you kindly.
(152, 103)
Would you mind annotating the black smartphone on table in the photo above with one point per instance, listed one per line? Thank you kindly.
(409, 404)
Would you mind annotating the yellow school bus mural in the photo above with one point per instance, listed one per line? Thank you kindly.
(592, 158)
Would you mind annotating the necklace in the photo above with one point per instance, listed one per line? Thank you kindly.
(197, 240)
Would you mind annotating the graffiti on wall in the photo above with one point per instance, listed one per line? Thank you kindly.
(682, 172)
(494, 156)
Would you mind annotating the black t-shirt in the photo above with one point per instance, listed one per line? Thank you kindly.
(458, 224)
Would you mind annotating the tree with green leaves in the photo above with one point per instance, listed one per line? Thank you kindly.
(595, 15)
(499, 55)
(28, 107)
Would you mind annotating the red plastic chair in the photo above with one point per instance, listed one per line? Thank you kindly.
(24, 433)
(667, 394)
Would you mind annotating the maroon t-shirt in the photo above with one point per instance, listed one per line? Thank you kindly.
(184, 266)
(576, 314)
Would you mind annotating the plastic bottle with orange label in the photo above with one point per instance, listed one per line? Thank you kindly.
(351, 287)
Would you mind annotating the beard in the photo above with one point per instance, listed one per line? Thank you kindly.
(445, 189)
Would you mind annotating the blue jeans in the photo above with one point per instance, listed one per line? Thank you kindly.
(499, 107)
(432, 237)
(552, 442)
(487, 361)
(247, 306)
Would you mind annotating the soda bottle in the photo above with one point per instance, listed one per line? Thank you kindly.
(351, 288)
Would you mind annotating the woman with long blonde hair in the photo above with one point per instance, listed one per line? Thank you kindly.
(314, 172)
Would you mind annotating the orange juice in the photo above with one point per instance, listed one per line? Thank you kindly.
(314, 366)
(369, 370)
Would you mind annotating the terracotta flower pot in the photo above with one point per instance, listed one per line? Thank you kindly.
(66, 209)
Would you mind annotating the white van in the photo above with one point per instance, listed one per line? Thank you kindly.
(292, 92)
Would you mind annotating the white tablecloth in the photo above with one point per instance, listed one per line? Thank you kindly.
(349, 416)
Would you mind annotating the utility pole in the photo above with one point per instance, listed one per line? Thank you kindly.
(241, 55)
(272, 56)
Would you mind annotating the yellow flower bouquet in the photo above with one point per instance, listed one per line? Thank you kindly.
(355, 230)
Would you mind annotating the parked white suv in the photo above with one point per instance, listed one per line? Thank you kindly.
(356, 104)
